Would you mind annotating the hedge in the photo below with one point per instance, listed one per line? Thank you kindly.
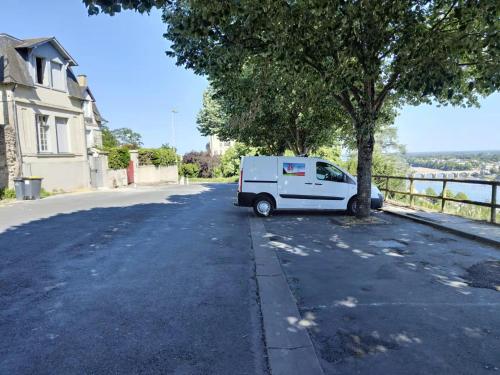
(157, 156)
(189, 170)
(118, 158)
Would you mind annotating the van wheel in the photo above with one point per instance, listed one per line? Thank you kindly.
(263, 206)
(352, 206)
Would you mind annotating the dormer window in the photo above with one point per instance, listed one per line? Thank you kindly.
(41, 78)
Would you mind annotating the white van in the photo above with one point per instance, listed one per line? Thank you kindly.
(270, 183)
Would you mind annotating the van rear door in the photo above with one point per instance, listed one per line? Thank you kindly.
(258, 175)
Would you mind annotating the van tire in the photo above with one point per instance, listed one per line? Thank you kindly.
(352, 206)
(263, 206)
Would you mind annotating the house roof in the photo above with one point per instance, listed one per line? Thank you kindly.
(97, 114)
(35, 42)
(14, 67)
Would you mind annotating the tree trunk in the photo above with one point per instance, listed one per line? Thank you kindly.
(365, 142)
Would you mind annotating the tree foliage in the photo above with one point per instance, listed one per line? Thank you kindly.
(108, 139)
(190, 170)
(208, 164)
(116, 6)
(118, 157)
(159, 157)
(369, 53)
(269, 106)
(230, 161)
(127, 137)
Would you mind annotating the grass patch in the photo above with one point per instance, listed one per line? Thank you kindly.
(7, 193)
(226, 180)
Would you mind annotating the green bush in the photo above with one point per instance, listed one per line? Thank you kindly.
(165, 157)
(157, 156)
(190, 170)
(146, 156)
(208, 164)
(44, 193)
(118, 158)
(230, 161)
(7, 193)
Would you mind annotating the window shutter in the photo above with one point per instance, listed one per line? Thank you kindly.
(62, 135)
(57, 76)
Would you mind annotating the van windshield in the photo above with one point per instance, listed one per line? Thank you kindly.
(328, 172)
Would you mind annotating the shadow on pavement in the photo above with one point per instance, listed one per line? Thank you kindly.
(397, 297)
(144, 288)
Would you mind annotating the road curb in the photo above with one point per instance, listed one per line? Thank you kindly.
(289, 347)
(486, 240)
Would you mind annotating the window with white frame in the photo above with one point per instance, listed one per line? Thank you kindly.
(42, 123)
(62, 134)
(57, 76)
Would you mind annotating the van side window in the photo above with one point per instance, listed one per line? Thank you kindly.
(327, 172)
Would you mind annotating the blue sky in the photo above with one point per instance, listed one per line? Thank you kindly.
(137, 86)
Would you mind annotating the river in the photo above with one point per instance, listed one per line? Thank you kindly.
(475, 192)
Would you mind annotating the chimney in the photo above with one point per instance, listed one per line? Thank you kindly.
(82, 80)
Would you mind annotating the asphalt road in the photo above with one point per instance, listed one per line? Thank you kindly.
(143, 281)
(391, 298)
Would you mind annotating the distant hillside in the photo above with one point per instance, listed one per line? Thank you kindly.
(456, 154)
(486, 161)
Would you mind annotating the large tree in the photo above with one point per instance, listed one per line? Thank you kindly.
(273, 108)
(367, 51)
(127, 137)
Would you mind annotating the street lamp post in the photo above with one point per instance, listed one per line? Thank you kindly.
(174, 111)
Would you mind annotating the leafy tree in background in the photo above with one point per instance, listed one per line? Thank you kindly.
(331, 153)
(269, 106)
(230, 161)
(369, 53)
(108, 139)
(208, 164)
(461, 195)
(431, 191)
(211, 117)
(127, 137)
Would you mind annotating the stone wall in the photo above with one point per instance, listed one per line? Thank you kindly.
(8, 165)
(4, 173)
(10, 146)
(116, 178)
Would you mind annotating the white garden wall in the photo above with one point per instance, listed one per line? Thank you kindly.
(149, 174)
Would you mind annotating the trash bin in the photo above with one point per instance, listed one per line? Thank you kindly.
(19, 187)
(32, 187)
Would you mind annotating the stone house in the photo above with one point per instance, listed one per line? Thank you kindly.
(48, 117)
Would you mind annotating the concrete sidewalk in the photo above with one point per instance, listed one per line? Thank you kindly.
(473, 229)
